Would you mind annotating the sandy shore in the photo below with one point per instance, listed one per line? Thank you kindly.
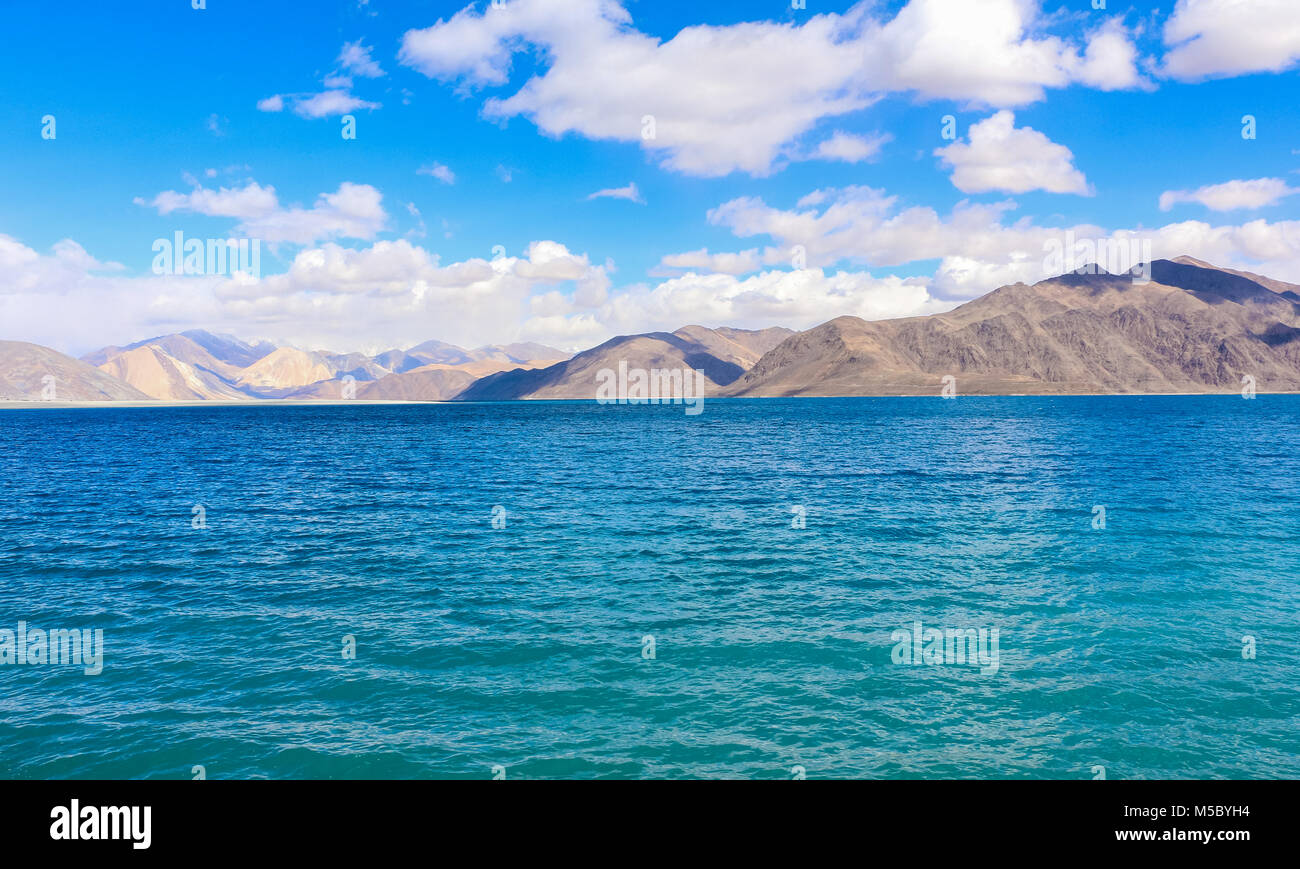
(266, 402)
(317, 402)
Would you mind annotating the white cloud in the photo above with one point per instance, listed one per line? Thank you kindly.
(976, 250)
(23, 270)
(337, 98)
(1209, 38)
(849, 148)
(991, 53)
(1231, 195)
(1002, 157)
(249, 201)
(355, 58)
(390, 294)
(439, 171)
(630, 193)
(353, 211)
(317, 105)
(330, 102)
(701, 260)
(717, 99)
(796, 298)
(1110, 61)
(394, 293)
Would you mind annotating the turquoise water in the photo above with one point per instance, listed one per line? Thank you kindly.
(523, 647)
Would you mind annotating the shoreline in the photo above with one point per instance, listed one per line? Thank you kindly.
(11, 404)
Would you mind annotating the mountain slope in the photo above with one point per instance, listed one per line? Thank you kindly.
(158, 374)
(434, 382)
(285, 368)
(220, 354)
(720, 356)
(24, 367)
(229, 349)
(520, 354)
(1192, 328)
(429, 383)
(739, 346)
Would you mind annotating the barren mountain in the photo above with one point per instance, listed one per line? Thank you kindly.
(397, 361)
(158, 374)
(356, 365)
(285, 368)
(186, 366)
(741, 346)
(197, 365)
(221, 354)
(435, 382)
(521, 353)
(30, 372)
(440, 352)
(722, 355)
(229, 349)
(429, 383)
(1192, 328)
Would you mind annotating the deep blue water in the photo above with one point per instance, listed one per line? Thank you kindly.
(522, 647)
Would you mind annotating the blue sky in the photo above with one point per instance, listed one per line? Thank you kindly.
(1083, 119)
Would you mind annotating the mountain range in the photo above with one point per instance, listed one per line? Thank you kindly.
(1192, 327)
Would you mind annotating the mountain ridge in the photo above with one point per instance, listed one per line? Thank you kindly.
(1192, 327)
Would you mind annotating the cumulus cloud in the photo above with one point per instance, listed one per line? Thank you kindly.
(630, 193)
(1002, 157)
(1212, 38)
(337, 98)
(849, 148)
(251, 200)
(330, 102)
(439, 171)
(26, 271)
(1110, 61)
(977, 250)
(353, 211)
(717, 99)
(797, 298)
(391, 293)
(395, 293)
(317, 105)
(701, 260)
(1231, 195)
(993, 53)
(355, 58)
